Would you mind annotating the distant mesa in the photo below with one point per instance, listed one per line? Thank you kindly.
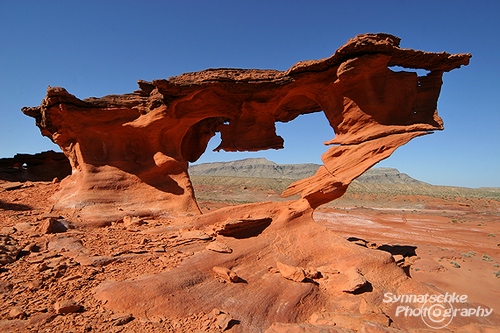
(139, 145)
(50, 165)
(254, 168)
(263, 168)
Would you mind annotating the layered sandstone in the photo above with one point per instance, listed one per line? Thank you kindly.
(130, 153)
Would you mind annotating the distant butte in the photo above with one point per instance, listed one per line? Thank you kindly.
(129, 153)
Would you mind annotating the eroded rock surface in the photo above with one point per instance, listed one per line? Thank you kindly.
(130, 153)
(43, 166)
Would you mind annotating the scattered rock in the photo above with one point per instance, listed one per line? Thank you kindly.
(36, 259)
(41, 318)
(226, 274)
(64, 243)
(67, 306)
(214, 313)
(57, 262)
(96, 261)
(132, 221)
(222, 319)
(42, 267)
(312, 273)
(158, 249)
(32, 247)
(219, 247)
(71, 278)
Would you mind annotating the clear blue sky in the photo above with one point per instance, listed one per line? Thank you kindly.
(95, 48)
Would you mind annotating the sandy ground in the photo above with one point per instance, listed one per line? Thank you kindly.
(450, 243)
(455, 250)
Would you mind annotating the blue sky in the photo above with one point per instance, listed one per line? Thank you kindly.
(95, 48)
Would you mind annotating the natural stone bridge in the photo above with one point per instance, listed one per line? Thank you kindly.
(130, 153)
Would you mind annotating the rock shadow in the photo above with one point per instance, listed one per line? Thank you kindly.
(14, 206)
(244, 228)
(404, 250)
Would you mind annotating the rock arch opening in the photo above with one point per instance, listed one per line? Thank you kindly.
(304, 140)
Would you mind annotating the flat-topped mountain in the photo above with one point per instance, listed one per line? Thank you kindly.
(263, 168)
(254, 168)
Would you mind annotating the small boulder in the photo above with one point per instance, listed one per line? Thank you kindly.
(223, 321)
(35, 284)
(24, 227)
(292, 273)
(312, 273)
(122, 319)
(16, 313)
(226, 274)
(67, 306)
(355, 281)
(52, 226)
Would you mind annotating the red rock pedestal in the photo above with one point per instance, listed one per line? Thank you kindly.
(130, 153)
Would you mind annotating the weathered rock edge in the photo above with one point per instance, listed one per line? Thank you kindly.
(129, 153)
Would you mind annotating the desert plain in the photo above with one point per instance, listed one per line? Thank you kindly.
(446, 238)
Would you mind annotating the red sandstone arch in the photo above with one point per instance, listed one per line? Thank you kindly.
(130, 153)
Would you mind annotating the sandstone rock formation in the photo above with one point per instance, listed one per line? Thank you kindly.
(43, 166)
(130, 153)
